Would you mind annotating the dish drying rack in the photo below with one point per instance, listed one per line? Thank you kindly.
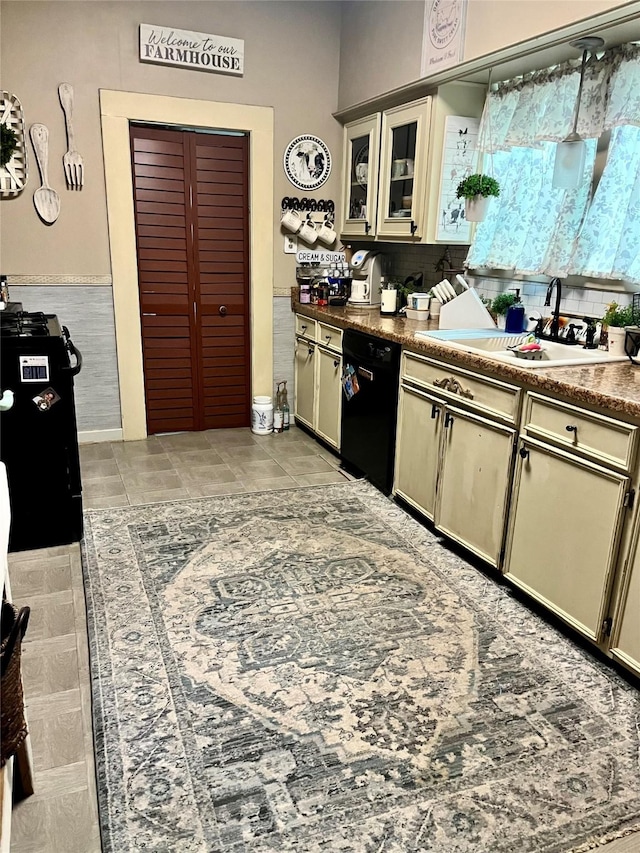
(461, 309)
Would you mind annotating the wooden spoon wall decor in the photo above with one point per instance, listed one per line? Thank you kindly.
(45, 198)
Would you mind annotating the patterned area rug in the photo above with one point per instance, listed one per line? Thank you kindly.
(310, 670)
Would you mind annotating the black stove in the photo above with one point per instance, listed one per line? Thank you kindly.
(38, 434)
(25, 324)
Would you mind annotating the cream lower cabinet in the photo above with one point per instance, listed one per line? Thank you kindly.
(329, 396)
(566, 520)
(418, 449)
(474, 482)
(305, 381)
(318, 379)
(625, 640)
(455, 468)
(571, 491)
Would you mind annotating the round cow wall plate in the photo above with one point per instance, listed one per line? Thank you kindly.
(307, 162)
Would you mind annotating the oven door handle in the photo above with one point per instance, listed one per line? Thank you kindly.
(75, 352)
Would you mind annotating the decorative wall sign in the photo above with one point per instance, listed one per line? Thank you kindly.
(307, 162)
(310, 257)
(202, 51)
(14, 174)
(459, 160)
(443, 37)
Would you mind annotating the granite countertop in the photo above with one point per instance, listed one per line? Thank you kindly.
(614, 388)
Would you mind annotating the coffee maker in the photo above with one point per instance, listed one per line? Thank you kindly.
(367, 269)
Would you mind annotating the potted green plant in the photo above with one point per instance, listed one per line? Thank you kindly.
(616, 319)
(8, 144)
(477, 190)
(500, 305)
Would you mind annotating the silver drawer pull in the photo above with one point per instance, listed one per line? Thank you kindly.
(451, 384)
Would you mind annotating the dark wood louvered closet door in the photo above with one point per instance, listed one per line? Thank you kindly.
(191, 207)
(221, 256)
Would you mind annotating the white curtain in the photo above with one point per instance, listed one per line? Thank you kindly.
(608, 245)
(531, 227)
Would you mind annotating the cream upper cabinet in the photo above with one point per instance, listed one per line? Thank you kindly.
(360, 159)
(393, 167)
(564, 533)
(403, 170)
(454, 99)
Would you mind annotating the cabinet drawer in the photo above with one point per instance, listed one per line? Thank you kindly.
(473, 389)
(601, 438)
(306, 327)
(329, 337)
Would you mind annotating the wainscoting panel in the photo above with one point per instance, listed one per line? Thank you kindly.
(283, 343)
(87, 311)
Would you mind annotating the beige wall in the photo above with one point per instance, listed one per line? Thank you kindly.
(381, 45)
(381, 42)
(494, 24)
(93, 45)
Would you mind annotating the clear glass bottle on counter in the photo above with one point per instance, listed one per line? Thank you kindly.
(305, 293)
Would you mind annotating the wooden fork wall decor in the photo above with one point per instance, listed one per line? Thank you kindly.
(72, 160)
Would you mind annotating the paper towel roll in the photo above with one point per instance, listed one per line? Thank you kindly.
(389, 302)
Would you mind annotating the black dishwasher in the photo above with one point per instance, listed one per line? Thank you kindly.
(371, 370)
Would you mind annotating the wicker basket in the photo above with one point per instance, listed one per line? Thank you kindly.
(13, 726)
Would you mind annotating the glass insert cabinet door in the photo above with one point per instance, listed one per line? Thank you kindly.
(403, 167)
(359, 184)
(403, 158)
(360, 193)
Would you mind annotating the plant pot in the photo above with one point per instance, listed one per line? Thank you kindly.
(501, 321)
(475, 209)
(615, 338)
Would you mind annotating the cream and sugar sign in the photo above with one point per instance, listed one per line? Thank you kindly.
(202, 51)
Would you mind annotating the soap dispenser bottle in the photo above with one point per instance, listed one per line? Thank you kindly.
(514, 322)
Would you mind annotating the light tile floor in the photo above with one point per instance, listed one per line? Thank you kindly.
(62, 816)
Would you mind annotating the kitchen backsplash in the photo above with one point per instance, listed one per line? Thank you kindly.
(406, 260)
(583, 301)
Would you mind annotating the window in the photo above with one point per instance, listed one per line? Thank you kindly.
(534, 228)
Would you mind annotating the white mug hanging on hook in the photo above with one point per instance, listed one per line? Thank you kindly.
(291, 221)
(308, 233)
(325, 232)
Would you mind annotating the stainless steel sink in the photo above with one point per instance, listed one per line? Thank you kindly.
(493, 343)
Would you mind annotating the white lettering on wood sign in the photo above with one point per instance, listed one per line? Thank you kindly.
(202, 51)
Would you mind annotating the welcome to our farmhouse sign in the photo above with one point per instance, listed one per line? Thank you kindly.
(202, 51)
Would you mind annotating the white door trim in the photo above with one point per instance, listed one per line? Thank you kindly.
(117, 110)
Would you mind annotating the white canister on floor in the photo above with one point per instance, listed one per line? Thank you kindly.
(262, 415)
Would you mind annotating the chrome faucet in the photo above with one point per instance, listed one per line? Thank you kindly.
(555, 322)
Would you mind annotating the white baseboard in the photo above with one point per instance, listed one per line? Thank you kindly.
(91, 436)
